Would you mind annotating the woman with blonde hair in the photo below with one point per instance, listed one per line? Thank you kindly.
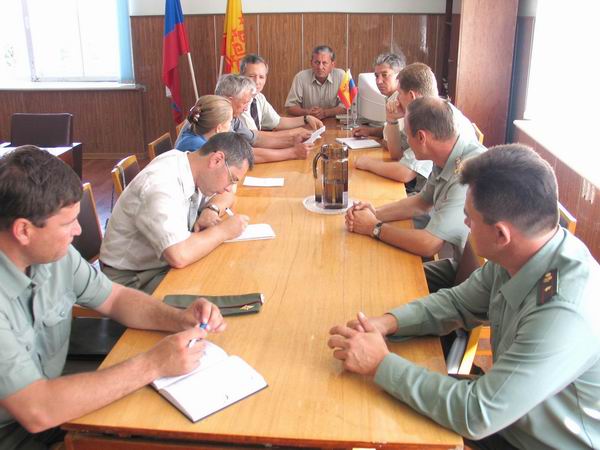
(210, 115)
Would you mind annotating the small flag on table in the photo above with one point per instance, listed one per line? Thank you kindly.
(348, 90)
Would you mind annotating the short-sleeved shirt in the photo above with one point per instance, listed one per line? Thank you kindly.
(35, 318)
(543, 390)
(238, 126)
(188, 140)
(267, 116)
(444, 191)
(151, 214)
(307, 92)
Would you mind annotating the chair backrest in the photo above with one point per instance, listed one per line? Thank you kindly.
(478, 133)
(179, 127)
(43, 130)
(469, 262)
(566, 219)
(89, 241)
(160, 145)
(462, 353)
(123, 172)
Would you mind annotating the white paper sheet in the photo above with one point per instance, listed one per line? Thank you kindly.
(263, 182)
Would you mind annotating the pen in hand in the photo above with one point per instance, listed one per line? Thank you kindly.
(193, 341)
(229, 212)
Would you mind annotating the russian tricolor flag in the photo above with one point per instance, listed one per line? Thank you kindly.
(175, 44)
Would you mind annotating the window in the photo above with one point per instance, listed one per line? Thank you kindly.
(565, 62)
(65, 40)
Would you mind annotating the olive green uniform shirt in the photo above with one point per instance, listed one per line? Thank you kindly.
(444, 191)
(543, 390)
(35, 318)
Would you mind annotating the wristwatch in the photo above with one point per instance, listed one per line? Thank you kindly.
(214, 208)
(376, 233)
(305, 120)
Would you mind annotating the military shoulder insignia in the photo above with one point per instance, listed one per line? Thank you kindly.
(247, 307)
(547, 287)
(458, 162)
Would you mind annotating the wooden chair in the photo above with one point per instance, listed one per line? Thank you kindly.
(566, 219)
(123, 172)
(43, 130)
(178, 128)
(92, 335)
(464, 348)
(160, 145)
(89, 241)
(478, 133)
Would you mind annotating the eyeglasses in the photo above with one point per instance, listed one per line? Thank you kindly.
(232, 180)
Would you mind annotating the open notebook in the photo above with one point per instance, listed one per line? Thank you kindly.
(358, 143)
(218, 382)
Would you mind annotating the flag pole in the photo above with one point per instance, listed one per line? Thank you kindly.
(221, 67)
(189, 55)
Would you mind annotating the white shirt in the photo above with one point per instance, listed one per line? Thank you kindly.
(150, 215)
(267, 116)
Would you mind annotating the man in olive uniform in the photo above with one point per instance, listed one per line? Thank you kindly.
(539, 293)
(41, 277)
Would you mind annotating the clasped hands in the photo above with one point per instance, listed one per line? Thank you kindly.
(361, 218)
(360, 345)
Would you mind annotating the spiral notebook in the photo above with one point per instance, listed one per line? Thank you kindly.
(218, 382)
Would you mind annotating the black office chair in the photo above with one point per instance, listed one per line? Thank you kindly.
(43, 130)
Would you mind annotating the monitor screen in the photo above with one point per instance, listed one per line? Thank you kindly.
(371, 102)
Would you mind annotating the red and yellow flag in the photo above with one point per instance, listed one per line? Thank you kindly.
(233, 48)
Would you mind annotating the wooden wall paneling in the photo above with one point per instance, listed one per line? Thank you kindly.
(453, 57)
(328, 29)
(411, 35)
(523, 138)
(201, 33)
(486, 45)
(252, 31)
(147, 45)
(569, 187)
(10, 102)
(368, 36)
(421, 39)
(520, 75)
(588, 223)
(280, 42)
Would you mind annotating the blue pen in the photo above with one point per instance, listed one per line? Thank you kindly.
(193, 341)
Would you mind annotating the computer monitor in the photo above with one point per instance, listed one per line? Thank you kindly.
(371, 102)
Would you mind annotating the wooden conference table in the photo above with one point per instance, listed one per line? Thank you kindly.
(314, 275)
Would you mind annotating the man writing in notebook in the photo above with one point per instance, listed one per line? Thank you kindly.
(260, 115)
(432, 134)
(41, 277)
(538, 291)
(314, 91)
(170, 213)
(266, 146)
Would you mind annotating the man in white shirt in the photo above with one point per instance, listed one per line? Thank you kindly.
(267, 147)
(155, 224)
(261, 115)
(314, 91)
